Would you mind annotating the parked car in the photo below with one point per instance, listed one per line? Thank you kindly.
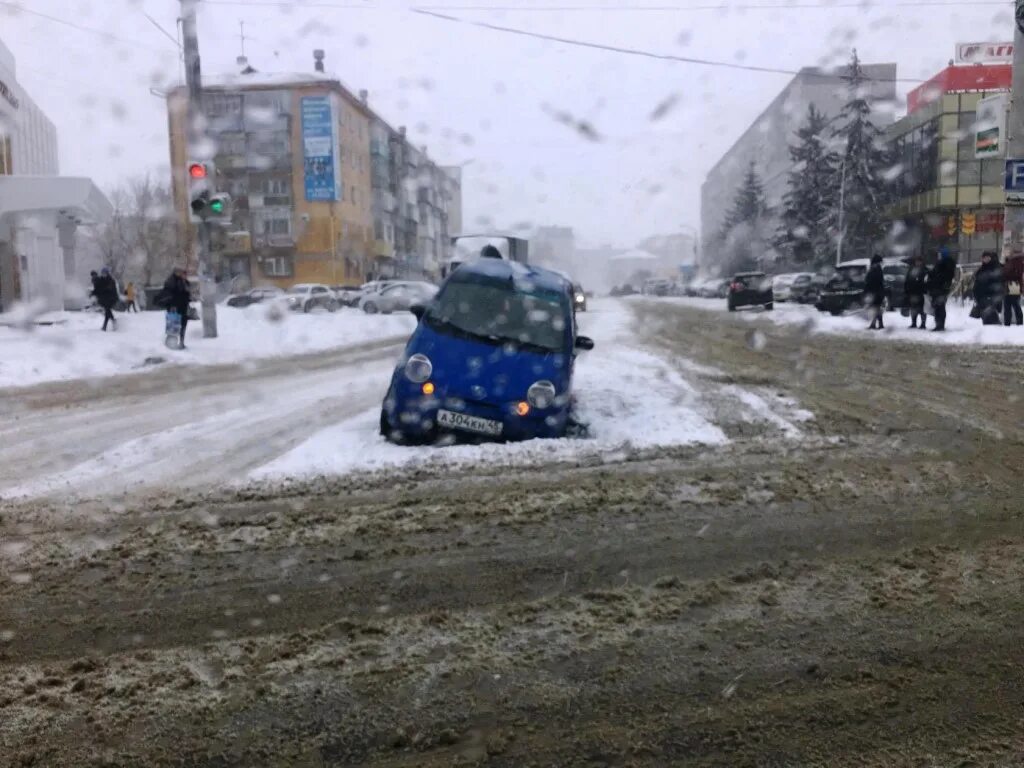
(579, 298)
(397, 297)
(805, 288)
(347, 295)
(715, 288)
(750, 289)
(255, 296)
(473, 372)
(782, 285)
(307, 297)
(655, 287)
(845, 289)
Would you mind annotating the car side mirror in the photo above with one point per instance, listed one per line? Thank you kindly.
(584, 342)
(419, 310)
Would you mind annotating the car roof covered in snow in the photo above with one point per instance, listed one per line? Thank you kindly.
(502, 269)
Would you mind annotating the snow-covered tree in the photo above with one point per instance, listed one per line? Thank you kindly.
(744, 239)
(140, 241)
(810, 199)
(861, 172)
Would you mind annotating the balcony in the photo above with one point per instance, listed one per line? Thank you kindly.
(236, 243)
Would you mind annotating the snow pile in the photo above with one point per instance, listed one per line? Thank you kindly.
(74, 347)
(961, 328)
(630, 398)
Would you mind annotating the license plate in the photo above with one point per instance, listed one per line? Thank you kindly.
(462, 421)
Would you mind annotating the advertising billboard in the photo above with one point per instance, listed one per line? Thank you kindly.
(319, 147)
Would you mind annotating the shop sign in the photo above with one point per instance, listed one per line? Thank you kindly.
(984, 53)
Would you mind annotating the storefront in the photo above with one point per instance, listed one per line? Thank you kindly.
(950, 184)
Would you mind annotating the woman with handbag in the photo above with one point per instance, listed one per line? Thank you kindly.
(1013, 277)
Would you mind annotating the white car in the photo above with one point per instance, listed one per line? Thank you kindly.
(397, 297)
(781, 285)
(307, 297)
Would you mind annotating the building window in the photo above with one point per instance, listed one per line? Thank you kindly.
(278, 226)
(6, 162)
(277, 266)
(355, 200)
(222, 104)
(276, 187)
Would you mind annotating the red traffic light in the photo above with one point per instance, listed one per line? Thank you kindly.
(197, 170)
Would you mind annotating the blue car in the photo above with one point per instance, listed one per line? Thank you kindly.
(491, 359)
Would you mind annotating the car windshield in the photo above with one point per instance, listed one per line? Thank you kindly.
(502, 314)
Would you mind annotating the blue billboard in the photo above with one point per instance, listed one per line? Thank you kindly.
(318, 145)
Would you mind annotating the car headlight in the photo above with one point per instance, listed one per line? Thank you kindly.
(418, 368)
(579, 298)
(541, 394)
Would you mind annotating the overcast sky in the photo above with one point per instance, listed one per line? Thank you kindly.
(487, 98)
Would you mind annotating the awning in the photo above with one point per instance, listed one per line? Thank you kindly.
(73, 196)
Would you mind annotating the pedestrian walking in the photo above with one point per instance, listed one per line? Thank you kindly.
(939, 284)
(105, 291)
(914, 290)
(1013, 279)
(129, 298)
(874, 293)
(176, 296)
(988, 289)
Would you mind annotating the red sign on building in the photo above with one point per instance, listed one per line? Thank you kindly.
(979, 77)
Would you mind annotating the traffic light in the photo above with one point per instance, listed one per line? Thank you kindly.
(204, 202)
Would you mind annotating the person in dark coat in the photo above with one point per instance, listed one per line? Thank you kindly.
(176, 296)
(940, 283)
(874, 292)
(988, 288)
(1013, 282)
(105, 291)
(914, 290)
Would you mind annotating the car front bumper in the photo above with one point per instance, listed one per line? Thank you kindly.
(414, 416)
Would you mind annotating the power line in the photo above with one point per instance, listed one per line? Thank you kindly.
(298, 5)
(639, 51)
(18, 8)
(163, 31)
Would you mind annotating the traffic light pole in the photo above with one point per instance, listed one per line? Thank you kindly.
(197, 139)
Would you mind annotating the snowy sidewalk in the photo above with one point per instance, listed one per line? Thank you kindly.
(76, 348)
(961, 328)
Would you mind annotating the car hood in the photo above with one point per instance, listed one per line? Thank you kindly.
(476, 370)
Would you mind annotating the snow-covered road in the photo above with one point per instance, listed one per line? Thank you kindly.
(289, 418)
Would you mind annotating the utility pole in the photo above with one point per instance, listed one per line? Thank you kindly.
(1013, 212)
(842, 213)
(198, 144)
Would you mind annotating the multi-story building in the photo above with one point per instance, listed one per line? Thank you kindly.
(323, 189)
(293, 151)
(948, 196)
(39, 211)
(766, 142)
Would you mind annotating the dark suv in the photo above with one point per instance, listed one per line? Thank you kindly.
(845, 289)
(750, 289)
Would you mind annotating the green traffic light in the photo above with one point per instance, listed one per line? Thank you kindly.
(217, 206)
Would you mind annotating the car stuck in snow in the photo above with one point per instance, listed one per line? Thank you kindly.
(491, 358)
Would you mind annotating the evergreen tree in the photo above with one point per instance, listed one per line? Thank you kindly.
(864, 163)
(743, 241)
(810, 197)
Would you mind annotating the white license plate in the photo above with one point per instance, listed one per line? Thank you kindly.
(462, 421)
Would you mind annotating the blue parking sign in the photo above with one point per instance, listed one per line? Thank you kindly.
(1014, 182)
